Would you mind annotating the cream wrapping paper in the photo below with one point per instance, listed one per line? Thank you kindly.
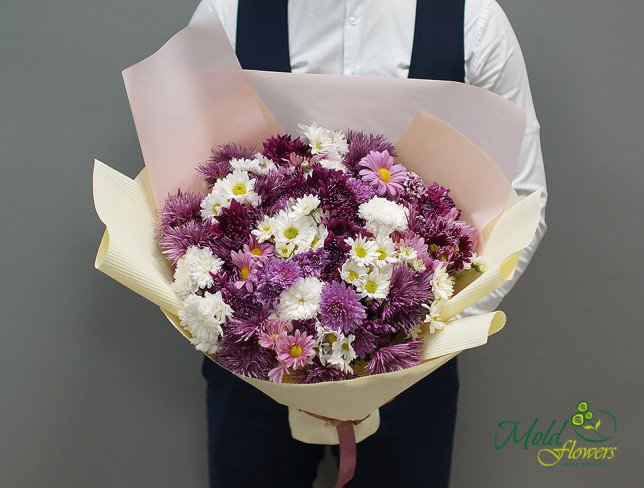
(192, 94)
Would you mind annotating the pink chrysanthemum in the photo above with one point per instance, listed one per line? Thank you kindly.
(247, 266)
(381, 172)
(259, 249)
(295, 351)
(272, 331)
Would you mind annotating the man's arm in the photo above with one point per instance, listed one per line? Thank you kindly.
(496, 64)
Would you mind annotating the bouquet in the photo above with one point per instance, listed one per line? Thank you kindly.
(319, 258)
(325, 268)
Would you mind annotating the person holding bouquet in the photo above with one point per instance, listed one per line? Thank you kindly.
(464, 41)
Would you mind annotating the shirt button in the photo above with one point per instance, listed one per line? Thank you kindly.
(353, 20)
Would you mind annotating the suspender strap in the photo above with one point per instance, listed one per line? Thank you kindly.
(262, 35)
(438, 52)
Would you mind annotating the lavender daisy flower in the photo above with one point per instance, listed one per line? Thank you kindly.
(312, 262)
(320, 374)
(407, 293)
(340, 307)
(361, 144)
(381, 172)
(259, 249)
(180, 208)
(174, 241)
(274, 277)
(395, 357)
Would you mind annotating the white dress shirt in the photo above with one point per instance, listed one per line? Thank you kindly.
(375, 37)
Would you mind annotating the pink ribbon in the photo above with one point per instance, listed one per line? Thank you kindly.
(348, 455)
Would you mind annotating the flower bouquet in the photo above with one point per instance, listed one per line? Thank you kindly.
(324, 267)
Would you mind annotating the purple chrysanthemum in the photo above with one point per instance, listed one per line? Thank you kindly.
(321, 374)
(179, 209)
(382, 173)
(364, 342)
(312, 262)
(336, 197)
(395, 357)
(407, 293)
(174, 241)
(279, 148)
(450, 241)
(361, 144)
(218, 165)
(340, 307)
(362, 192)
(274, 277)
(244, 356)
(234, 224)
(278, 186)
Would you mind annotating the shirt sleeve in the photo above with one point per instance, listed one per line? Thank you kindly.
(497, 64)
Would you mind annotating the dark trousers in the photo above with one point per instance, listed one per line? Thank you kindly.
(250, 445)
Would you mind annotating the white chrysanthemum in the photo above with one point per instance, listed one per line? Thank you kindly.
(418, 265)
(284, 249)
(343, 353)
(442, 284)
(193, 270)
(339, 142)
(383, 216)
(352, 273)
(305, 205)
(318, 138)
(301, 301)
(407, 254)
(330, 164)
(248, 165)
(364, 252)
(324, 342)
(292, 228)
(479, 263)
(265, 229)
(321, 234)
(433, 317)
(375, 284)
(386, 250)
(203, 317)
(241, 187)
(212, 205)
(265, 164)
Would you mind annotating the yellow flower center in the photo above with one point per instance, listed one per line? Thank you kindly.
(345, 346)
(385, 175)
(371, 286)
(296, 351)
(257, 251)
(361, 252)
(433, 247)
(290, 232)
(457, 249)
(244, 273)
(382, 254)
(239, 189)
(330, 338)
(215, 208)
(352, 275)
